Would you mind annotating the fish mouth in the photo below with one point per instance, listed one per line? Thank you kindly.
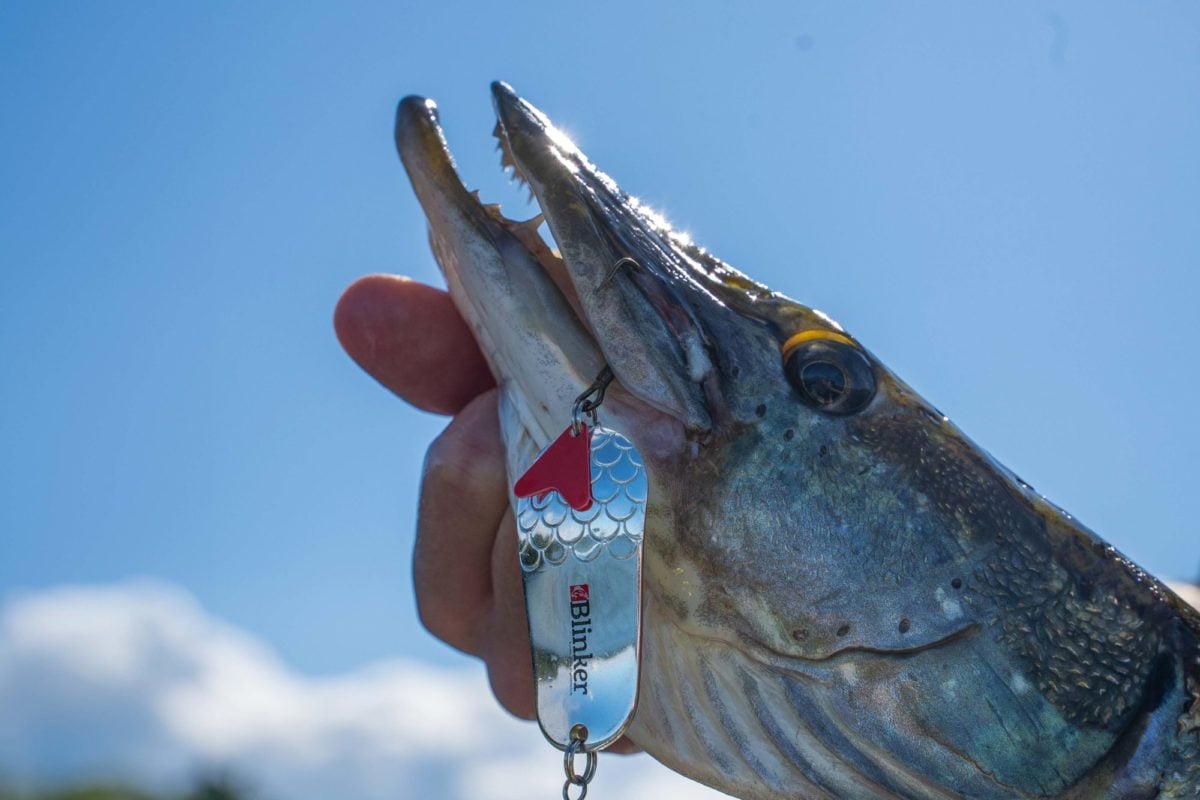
(501, 276)
(625, 290)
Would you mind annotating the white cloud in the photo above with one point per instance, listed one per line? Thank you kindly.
(136, 681)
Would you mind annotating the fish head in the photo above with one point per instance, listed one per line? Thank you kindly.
(844, 596)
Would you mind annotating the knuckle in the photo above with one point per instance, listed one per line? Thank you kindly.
(441, 456)
(464, 455)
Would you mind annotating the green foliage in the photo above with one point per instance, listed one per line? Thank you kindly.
(81, 793)
(218, 788)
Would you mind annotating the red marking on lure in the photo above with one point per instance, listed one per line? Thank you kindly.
(564, 467)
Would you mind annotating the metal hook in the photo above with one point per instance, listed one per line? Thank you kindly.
(615, 268)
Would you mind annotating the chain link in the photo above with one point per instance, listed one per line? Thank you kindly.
(590, 400)
(577, 747)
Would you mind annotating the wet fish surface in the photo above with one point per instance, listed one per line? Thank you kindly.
(844, 596)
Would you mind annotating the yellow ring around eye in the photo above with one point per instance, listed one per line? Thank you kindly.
(814, 334)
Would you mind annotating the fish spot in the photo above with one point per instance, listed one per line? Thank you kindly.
(800, 634)
(956, 583)
(735, 370)
(950, 606)
(904, 625)
(824, 451)
(761, 410)
(788, 434)
(845, 629)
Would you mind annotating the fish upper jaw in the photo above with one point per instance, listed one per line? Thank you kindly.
(650, 315)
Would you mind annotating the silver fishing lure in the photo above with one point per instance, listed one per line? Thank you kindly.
(582, 576)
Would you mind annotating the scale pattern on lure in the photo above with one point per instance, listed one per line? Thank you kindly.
(550, 531)
(844, 596)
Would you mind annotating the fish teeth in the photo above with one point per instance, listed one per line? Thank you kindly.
(491, 208)
(507, 162)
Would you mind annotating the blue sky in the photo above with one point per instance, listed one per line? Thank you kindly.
(1000, 200)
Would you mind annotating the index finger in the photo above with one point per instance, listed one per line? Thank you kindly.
(411, 338)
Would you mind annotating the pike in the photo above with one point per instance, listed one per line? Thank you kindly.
(844, 597)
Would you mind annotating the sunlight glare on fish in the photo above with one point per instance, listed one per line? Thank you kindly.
(560, 138)
(682, 237)
(654, 217)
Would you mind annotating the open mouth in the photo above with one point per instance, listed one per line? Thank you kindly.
(449, 205)
(626, 290)
(512, 289)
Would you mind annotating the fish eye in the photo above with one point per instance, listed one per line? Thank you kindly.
(829, 372)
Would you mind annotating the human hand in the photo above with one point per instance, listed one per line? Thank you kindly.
(410, 338)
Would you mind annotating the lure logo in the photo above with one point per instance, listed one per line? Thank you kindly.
(581, 626)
